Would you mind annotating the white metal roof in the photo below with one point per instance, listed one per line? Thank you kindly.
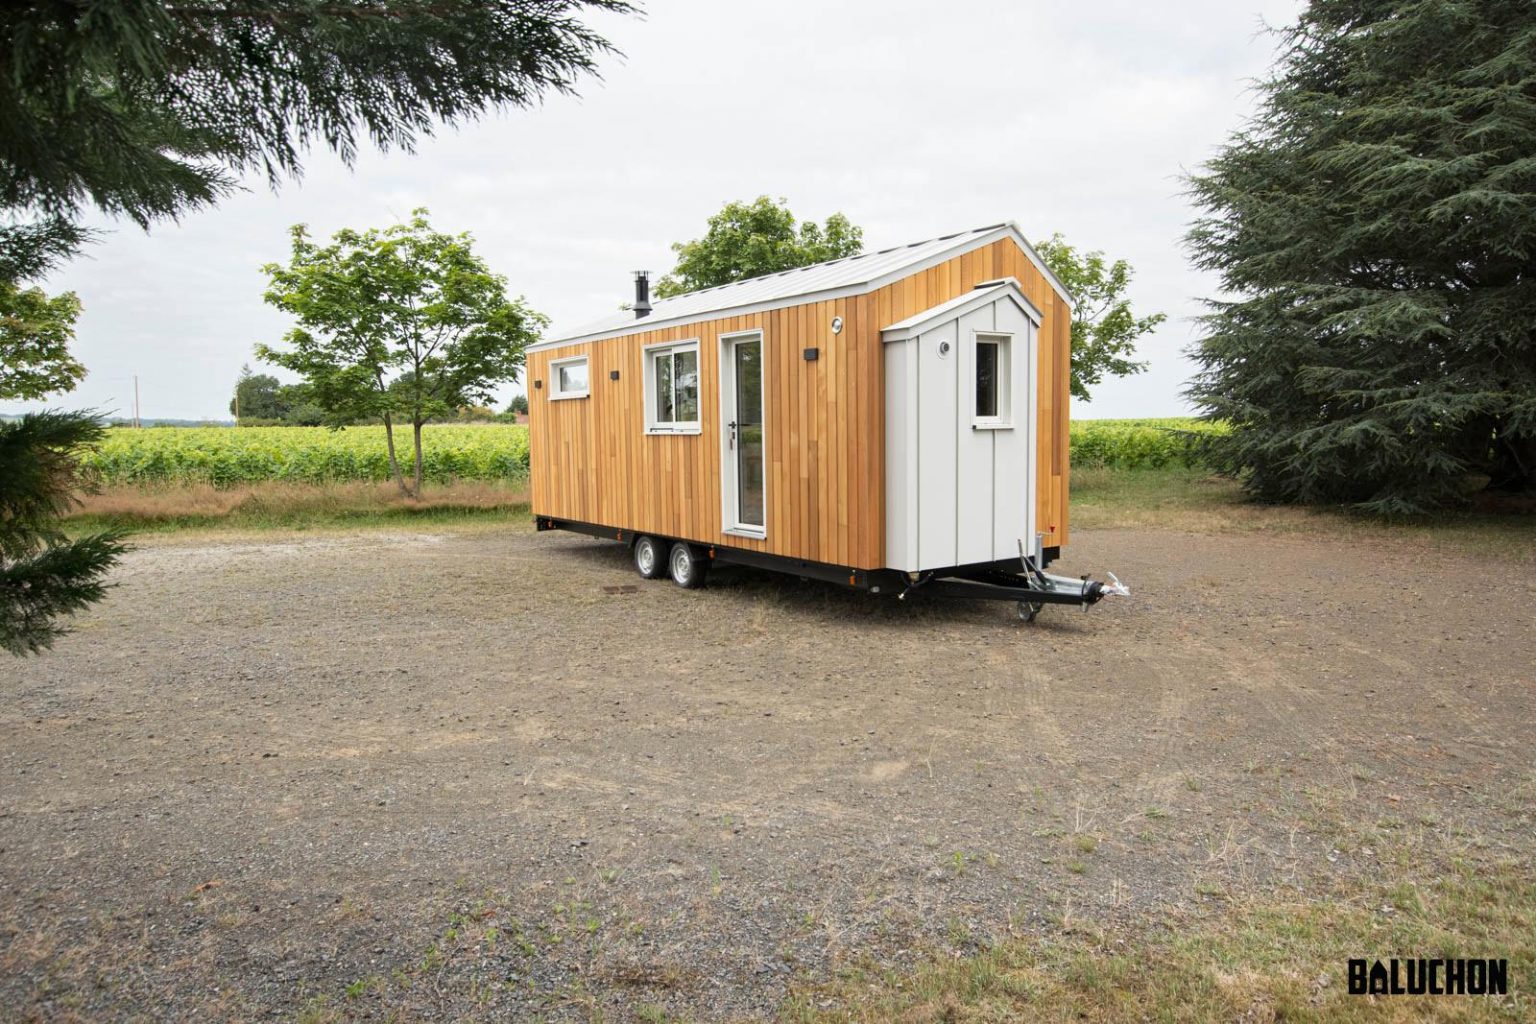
(984, 293)
(852, 275)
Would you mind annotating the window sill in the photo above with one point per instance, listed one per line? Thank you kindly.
(574, 394)
(746, 531)
(992, 425)
(669, 431)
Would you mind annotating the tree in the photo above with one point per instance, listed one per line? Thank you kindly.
(403, 322)
(149, 110)
(749, 240)
(44, 575)
(1104, 330)
(258, 396)
(1374, 226)
(35, 332)
(518, 405)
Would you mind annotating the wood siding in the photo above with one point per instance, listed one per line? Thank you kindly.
(824, 423)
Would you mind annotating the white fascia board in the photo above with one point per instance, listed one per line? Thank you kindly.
(651, 323)
(914, 325)
(1045, 271)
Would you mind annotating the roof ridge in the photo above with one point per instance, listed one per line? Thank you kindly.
(846, 275)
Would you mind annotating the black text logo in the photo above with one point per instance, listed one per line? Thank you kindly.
(1429, 977)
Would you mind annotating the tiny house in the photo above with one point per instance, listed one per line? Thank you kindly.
(890, 421)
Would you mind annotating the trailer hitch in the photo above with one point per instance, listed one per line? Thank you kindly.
(1032, 589)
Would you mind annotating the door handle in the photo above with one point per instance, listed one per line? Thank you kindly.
(733, 435)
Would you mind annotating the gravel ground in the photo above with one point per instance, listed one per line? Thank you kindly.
(486, 774)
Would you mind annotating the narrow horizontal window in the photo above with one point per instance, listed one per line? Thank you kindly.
(569, 378)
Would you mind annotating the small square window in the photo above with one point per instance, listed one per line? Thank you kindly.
(992, 375)
(672, 388)
(568, 378)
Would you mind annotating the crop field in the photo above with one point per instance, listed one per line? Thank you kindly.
(1138, 444)
(235, 456)
(232, 456)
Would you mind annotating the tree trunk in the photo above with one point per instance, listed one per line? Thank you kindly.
(394, 463)
(416, 426)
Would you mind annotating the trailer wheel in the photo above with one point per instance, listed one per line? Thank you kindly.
(649, 562)
(1029, 609)
(688, 569)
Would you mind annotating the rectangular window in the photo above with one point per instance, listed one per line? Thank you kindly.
(992, 374)
(672, 388)
(568, 378)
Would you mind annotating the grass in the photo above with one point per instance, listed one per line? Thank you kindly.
(1196, 501)
(1282, 958)
(290, 506)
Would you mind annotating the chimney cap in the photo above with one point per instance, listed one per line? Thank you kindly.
(642, 306)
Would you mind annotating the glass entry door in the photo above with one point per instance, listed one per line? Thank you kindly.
(745, 471)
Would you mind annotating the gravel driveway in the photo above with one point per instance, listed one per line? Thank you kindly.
(487, 773)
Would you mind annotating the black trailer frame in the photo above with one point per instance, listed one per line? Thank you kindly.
(1018, 580)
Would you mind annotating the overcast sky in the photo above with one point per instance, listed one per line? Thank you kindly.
(913, 119)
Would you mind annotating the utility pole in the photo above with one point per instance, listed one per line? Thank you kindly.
(136, 422)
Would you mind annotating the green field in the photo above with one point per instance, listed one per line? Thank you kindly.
(234, 456)
(1137, 444)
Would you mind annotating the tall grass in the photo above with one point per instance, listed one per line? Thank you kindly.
(295, 506)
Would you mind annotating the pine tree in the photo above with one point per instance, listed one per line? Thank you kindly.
(1375, 228)
(45, 575)
(147, 110)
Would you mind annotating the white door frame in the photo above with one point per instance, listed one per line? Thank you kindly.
(730, 489)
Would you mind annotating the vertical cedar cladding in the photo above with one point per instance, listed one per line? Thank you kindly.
(824, 421)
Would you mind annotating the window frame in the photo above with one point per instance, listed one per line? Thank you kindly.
(556, 392)
(730, 517)
(653, 424)
(1003, 419)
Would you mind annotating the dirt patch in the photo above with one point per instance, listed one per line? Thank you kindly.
(472, 774)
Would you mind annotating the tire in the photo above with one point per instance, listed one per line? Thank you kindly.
(650, 558)
(687, 566)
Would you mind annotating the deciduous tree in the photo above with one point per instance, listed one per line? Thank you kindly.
(750, 239)
(405, 322)
(1104, 329)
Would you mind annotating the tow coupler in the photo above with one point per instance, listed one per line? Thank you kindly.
(1032, 589)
